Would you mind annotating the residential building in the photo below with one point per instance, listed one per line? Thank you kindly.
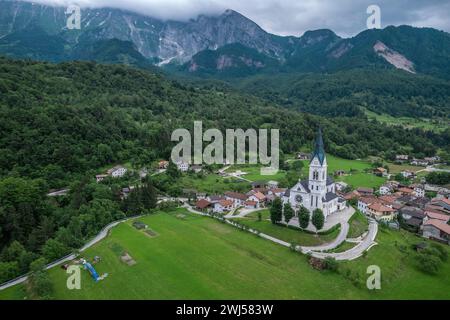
(381, 212)
(223, 206)
(251, 204)
(117, 171)
(364, 192)
(437, 230)
(365, 202)
(341, 186)
(385, 190)
(272, 184)
(401, 157)
(237, 198)
(163, 164)
(182, 166)
(303, 156)
(203, 204)
(100, 177)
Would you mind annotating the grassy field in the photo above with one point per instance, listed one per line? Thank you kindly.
(200, 258)
(297, 237)
(254, 173)
(212, 184)
(406, 122)
(358, 225)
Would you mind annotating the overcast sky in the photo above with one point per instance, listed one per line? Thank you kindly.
(293, 17)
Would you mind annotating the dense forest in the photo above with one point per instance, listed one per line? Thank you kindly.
(60, 123)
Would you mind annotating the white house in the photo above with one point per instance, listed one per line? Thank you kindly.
(223, 206)
(385, 189)
(340, 185)
(117, 172)
(272, 184)
(419, 191)
(364, 203)
(257, 197)
(237, 198)
(100, 177)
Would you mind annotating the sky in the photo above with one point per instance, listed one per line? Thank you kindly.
(292, 17)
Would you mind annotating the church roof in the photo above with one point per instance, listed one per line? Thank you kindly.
(304, 184)
(330, 196)
(319, 150)
(330, 180)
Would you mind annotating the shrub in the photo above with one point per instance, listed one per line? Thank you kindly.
(428, 263)
(331, 264)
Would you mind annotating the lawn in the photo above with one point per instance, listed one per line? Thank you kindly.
(358, 225)
(295, 236)
(195, 257)
(254, 173)
(212, 183)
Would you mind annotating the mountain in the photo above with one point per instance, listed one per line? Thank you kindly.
(206, 46)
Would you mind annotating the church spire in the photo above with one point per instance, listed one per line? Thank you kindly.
(319, 150)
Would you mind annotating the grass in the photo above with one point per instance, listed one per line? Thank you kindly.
(212, 183)
(289, 235)
(254, 173)
(201, 258)
(397, 168)
(358, 225)
(437, 125)
(343, 247)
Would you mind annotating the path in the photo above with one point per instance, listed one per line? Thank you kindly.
(329, 246)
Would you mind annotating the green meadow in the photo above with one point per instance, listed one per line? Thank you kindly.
(194, 257)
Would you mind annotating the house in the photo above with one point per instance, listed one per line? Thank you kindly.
(214, 198)
(385, 189)
(339, 173)
(401, 157)
(277, 192)
(257, 197)
(438, 216)
(182, 166)
(352, 195)
(419, 191)
(437, 230)
(381, 212)
(303, 156)
(100, 177)
(380, 171)
(237, 198)
(251, 204)
(341, 186)
(258, 184)
(413, 217)
(223, 206)
(420, 162)
(407, 174)
(163, 164)
(442, 203)
(364, 192)
(117, 171)
(432, 160)
(365, 202)
(203, 204)
(272, 184)
(406, 191)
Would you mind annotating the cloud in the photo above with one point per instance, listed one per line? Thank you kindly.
(290, 17)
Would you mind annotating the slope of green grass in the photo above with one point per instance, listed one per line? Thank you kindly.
(195, 257)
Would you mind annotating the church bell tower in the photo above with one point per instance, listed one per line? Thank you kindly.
(318, 173)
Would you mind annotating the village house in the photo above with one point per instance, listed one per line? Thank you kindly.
(259, 184)
(214, 198)
(438, 216)
(236, 198)
(117, 171)
(412, 217)
(381, 172)
(352, 195)
(437, 230)
(365, 202)
(257, 197)
(406, 191)
(420, 162)
(339, 173)
(272, 184)
(277, 192)
(408, 174)
(443, 204)
(364, 192)
(385, 190)
(163, 164)
(100, 177)
(303, 156)
(223, 206)
(381, 212)
(251, 204)
(203, 205)
(401, 157)
(419, 190)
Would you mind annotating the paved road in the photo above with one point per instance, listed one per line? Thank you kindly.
(329, 246)
(243, 212)
(356, 251)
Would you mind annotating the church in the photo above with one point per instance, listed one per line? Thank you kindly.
(319, 190)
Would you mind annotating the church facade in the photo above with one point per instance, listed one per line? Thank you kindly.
(319, 190)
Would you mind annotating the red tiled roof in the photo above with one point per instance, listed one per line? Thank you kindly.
(369, 200)
(439, 225)
(226, 203)
(406, 190)
(444, 200)
(250, 203)
(236, 195)
(259, 195)
(380, 208)
(388, 199)
(365, 190)
(437, 216)
(202, 204)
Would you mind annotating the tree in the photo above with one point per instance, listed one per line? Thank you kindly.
(318, 219)
(40, 285)
(288, 212)
(148, 195)
(303, 217)
(172, 170)
(53, 249)
(276, 211)
(259, 216)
